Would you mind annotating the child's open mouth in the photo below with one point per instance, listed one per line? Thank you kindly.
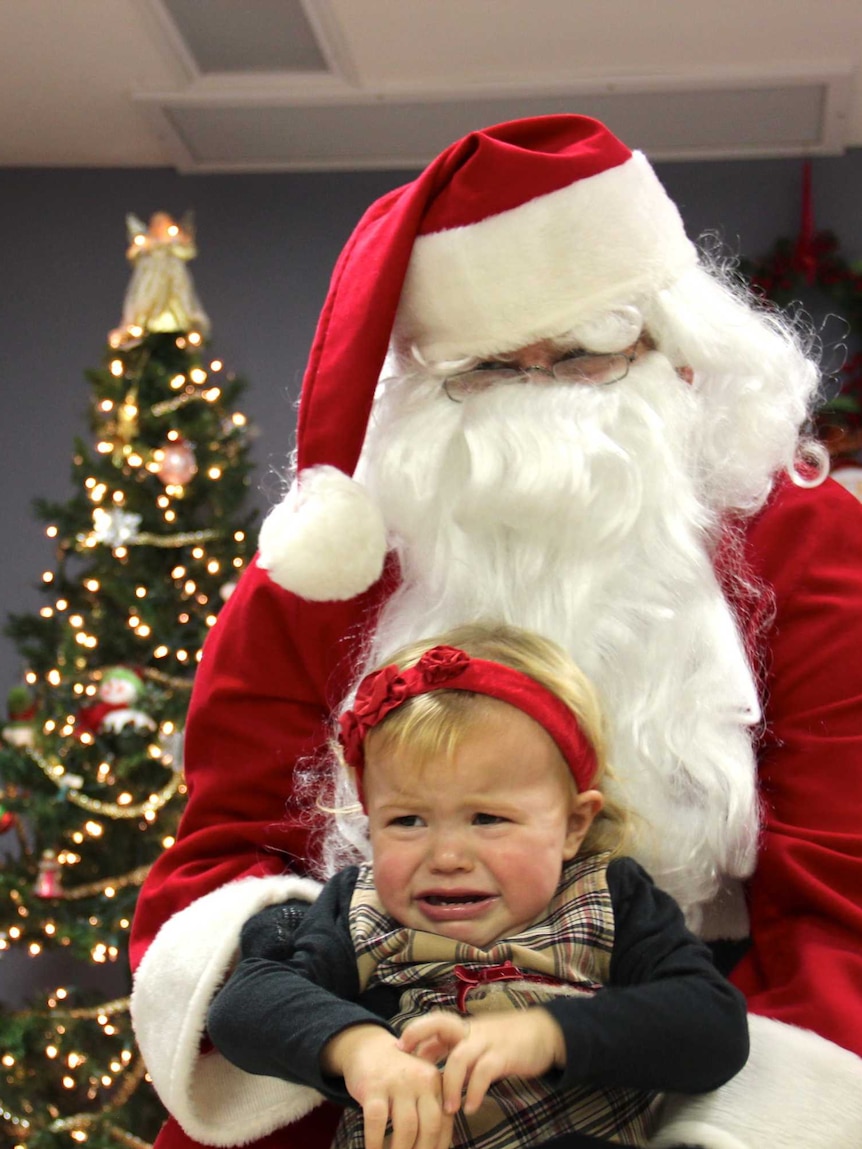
(454, 899)
(455, 906)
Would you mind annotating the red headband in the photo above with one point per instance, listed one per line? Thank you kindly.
(448, 668)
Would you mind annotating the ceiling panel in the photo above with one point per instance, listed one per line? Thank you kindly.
(278, 84)
(793, 118)
(252, 36)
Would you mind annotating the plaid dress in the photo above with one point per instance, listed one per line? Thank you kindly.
(568, 952)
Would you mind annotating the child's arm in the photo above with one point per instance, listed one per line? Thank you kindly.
(290, 1010)
(666, 1021)
(292, 991)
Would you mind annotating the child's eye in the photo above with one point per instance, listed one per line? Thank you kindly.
(406, 820)
(488, 819)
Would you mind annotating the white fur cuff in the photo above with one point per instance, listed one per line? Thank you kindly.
(213, 1101)
(797, 1090)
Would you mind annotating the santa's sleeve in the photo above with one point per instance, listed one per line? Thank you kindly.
(802, 975)
(805, 898)
(272, 666)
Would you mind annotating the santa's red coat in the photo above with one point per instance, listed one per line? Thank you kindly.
(274, 665)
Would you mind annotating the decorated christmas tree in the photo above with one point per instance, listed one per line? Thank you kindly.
(91, 786)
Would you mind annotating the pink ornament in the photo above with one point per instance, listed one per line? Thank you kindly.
(48, 879)
(178, 463)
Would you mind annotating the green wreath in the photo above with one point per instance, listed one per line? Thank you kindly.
(781, 277)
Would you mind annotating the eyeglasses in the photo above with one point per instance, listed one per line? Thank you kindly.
(578, 367)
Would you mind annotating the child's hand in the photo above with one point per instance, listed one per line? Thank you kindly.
(391, 1086)
(481, 1050)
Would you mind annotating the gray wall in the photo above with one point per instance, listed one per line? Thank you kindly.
(267, 245)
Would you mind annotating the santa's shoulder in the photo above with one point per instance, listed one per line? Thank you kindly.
(803, 529)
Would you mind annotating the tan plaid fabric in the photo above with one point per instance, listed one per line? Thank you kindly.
(567, 952)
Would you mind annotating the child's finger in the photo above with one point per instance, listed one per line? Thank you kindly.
(405, 1123)
(375, 1115)
(444, 1139)
(431, 1049)
(430, 1114)
(483, 1073)
(455, 1071)
(446, 1028)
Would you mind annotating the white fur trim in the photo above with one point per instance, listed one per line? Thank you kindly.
(326, 540)
(214, 1102)
(796, 1090)
(538, 269)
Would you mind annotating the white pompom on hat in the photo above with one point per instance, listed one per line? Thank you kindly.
(511, 235)
(325, 539)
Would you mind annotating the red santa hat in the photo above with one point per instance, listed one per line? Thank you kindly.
(511, 235)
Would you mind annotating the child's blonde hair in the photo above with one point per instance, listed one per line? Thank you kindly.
(435, 723)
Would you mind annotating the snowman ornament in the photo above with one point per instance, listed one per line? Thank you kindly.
(119, 689)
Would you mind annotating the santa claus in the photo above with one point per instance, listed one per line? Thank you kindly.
(529, 399)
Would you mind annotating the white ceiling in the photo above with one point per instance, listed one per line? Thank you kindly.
(257, 85)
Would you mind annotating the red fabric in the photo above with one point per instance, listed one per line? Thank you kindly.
(513, 163)
(272, 663)
(272, 669)
(505, 971)
(805, 900)
(315, 1130)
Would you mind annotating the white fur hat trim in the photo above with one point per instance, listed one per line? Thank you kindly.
(538, 269)
(326, 540)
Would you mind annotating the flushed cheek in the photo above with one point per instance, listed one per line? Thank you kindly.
(392, 879)
(529, 880)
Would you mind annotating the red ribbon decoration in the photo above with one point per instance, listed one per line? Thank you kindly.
(469, 978)
(805, 253)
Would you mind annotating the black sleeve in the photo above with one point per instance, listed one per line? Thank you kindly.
(667, 1020)
(295, 988)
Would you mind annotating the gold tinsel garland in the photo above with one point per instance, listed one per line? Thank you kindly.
(88, 1012)
(122, 1137)
(167, 406)
(132, 1080)
(94, 805)
(183, 540)
(146, 538)
(113, 810)
(147, 672)
(81, 1120)
(166, 679)
(133, 878)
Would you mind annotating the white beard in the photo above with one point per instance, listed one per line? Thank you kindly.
(575, 512)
